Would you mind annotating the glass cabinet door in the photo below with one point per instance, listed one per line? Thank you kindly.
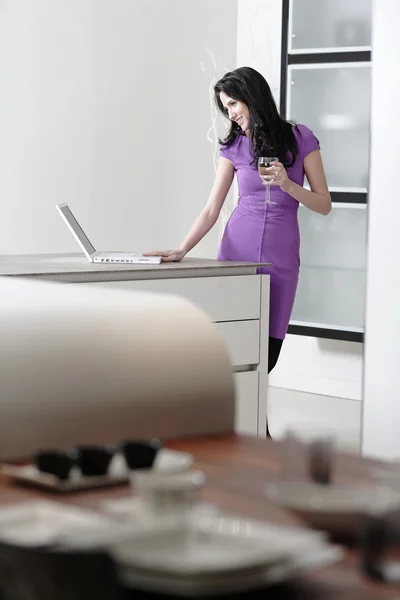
(333, 100)
(329, 25)
(331, 287)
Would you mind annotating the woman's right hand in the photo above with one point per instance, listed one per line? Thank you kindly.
(167, 255)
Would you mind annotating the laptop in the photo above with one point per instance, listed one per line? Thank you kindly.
(89, 250)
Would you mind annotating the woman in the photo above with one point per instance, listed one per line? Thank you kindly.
(258, 231)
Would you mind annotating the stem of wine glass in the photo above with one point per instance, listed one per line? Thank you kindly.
(267, 194)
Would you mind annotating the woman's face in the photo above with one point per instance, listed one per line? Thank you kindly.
(237, 111)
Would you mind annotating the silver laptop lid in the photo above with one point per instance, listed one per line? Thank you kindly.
(76, 229)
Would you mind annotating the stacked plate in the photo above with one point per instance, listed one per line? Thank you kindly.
(202, 553)
(218, 554)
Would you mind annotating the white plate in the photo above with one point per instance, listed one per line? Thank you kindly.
(208, 543)
(192, 551)
(167, 461)
(317, 559)
(220, 555)
(334, 508)
(38, 523)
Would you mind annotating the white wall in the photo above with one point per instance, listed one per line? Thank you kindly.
(259, 39)
(45, 120)
(381, 409)
(106, 105)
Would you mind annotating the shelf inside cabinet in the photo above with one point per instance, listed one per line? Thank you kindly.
(342, 25)
(336, 50)
(334, 102)
(344, 190)
(350, 205)
(352, 197)
(330, 298)
(337, 241)
(319, 330)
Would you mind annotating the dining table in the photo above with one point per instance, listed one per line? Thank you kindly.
(237, 469)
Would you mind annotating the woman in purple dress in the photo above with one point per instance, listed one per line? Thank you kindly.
(258, 231)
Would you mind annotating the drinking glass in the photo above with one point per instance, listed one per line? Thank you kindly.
(309, 452)
(264, 163)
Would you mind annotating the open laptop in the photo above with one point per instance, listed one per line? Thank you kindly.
(89, 250)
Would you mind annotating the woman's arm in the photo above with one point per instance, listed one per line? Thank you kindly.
(208, 216)
(319, 198)
(210, 213)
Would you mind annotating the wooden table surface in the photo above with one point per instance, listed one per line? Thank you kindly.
(237, 468)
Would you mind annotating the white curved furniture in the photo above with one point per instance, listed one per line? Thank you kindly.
(232, 294)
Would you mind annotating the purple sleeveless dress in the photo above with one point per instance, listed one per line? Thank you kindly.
(259, 232)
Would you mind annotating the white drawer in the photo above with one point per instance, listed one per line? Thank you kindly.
(246, 415)
(242, 339)
(223, 298)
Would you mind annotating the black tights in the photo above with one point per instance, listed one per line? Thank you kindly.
(274, 349)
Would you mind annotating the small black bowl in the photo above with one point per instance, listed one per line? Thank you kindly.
(140, 454)
(94, 460)
(55, 462)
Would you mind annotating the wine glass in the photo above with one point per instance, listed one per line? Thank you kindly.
(264, 163)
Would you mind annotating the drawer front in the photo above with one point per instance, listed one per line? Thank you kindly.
(242, 339)
(223, 298)
(246, 416)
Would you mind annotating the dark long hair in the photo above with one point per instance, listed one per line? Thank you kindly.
(269, 133)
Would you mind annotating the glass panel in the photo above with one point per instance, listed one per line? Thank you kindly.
(341, 24)
(331, 288)
(334, 101)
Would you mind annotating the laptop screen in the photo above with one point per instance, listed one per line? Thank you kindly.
(76, 229)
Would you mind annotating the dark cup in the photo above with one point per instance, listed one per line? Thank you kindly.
(55, 462)
(94, 460)
(380, 540)
(140, 454)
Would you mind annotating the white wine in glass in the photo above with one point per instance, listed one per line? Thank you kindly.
(264, 163)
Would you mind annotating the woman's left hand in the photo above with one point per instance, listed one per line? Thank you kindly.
(279, 174)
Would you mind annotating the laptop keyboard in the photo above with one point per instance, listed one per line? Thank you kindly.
(124, 255)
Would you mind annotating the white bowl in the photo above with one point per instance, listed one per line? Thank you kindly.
(167, 491)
